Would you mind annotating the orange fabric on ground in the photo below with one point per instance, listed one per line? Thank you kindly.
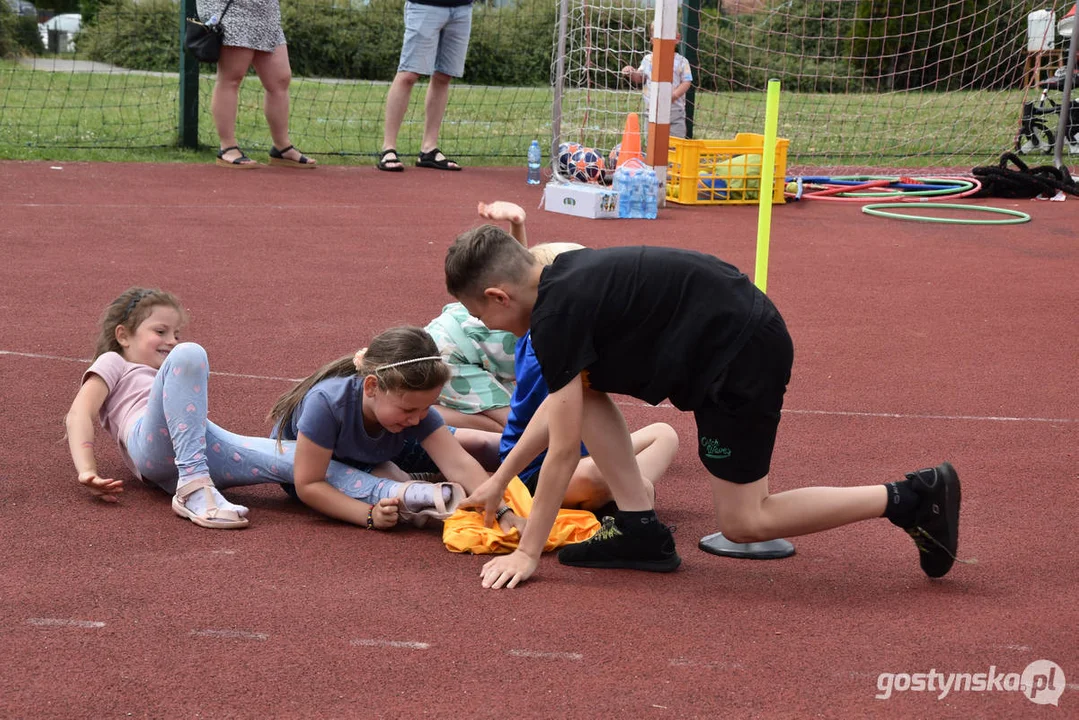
(464, 531)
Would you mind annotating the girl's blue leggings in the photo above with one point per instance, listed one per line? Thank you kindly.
(173, 442)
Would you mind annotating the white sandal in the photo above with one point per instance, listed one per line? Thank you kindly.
(441, 511)
(214, 516)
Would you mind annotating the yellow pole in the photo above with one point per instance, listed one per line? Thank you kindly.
(768, 172)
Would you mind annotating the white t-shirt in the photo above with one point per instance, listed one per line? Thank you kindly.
(682, 73)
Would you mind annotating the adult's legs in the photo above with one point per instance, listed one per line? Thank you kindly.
(275, 73)
(434, 109)
(396, 107)
(231, 68)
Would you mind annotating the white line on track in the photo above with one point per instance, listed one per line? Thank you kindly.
(541, 655)
(665, 406)
(230, 634)
(64, 622)
(401, 644)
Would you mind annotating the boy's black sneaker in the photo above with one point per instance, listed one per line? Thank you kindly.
(638, 547)
(935, 527)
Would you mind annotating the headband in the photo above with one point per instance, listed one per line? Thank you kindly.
(358, 361)
(135, 300)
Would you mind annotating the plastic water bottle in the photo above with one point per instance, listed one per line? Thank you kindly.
(534, 159)
(651, 194)
(636, 205)
(622, 183)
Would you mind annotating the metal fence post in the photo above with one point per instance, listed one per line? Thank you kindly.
(188, 128)
(691, 25)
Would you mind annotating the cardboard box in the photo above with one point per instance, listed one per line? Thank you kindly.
(581, 200)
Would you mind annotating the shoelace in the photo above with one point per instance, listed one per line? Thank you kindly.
(920, 536)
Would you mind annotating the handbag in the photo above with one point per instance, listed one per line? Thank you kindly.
(204, 40)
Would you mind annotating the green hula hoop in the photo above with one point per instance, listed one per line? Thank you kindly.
(883, 210)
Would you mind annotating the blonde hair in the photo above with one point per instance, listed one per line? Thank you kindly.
(545, 253)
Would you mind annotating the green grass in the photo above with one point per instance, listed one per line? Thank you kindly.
(84, 116)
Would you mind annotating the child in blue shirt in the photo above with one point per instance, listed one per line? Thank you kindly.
(362, 424)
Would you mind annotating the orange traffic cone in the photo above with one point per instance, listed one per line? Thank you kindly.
(631, 140)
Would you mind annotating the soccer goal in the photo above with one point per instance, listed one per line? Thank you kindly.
(866, 83)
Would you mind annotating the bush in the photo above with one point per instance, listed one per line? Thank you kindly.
(509, 46)
(18, 35)
(143, 35)
(325, 41)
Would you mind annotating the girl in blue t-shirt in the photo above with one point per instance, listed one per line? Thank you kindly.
(362, 424)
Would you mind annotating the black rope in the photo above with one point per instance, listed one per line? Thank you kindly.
(1025, 182)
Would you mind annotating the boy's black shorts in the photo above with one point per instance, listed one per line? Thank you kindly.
(737, 426)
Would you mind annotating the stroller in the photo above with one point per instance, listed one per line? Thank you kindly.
(1037, 131)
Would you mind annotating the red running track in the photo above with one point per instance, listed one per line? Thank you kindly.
(914, 343)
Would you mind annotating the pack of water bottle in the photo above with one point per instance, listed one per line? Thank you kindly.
(638, 192)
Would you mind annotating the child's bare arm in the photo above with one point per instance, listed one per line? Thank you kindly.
(502, 211)
(79, 423)
(632, 74)
(309, 472)
(681, 89)
(453, 461)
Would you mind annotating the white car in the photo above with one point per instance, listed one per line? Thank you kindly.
(66, 25)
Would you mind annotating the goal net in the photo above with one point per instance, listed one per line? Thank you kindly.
(865, 83)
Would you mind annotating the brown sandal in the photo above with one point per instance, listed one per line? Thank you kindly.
(277, 157)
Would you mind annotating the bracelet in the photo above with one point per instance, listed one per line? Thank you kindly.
(502, 511)
(371, 518)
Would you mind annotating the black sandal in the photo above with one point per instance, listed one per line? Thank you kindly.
(277, 157)
(241, 163)
(384, 164)
(430, 160)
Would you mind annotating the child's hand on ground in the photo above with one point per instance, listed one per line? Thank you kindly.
(105, 488)
(384, 514)
(508, 570)
(503, 211)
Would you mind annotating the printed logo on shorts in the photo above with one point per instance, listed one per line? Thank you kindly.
(714, 449)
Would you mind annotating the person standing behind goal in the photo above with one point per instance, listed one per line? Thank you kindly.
(680, 85)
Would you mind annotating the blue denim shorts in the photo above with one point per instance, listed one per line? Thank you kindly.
(436, 39)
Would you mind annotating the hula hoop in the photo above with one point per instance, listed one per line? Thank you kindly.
(958, 187)
(961, 187)
(884, 210)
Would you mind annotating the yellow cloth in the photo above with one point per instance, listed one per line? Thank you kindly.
(464, 531)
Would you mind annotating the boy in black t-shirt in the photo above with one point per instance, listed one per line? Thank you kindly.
(658, 323)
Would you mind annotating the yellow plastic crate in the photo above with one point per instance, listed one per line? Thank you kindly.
(722, 172)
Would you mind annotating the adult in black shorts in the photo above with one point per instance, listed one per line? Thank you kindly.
(656, 324)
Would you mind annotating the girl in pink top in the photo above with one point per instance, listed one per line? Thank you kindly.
(149, 392)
